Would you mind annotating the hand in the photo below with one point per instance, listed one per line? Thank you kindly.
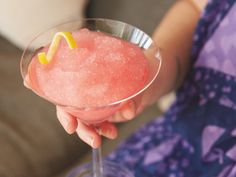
(92, 134)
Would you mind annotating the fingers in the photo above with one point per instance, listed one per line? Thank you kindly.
(127, 112)
(68, 121)
(89, 135)
(107, 129)
(92, 135)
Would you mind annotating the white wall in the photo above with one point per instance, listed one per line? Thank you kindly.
(21, 20)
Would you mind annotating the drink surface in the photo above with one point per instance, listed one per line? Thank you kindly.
(102, 70)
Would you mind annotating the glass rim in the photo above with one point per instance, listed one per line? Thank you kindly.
(105, 163)
(157, 56)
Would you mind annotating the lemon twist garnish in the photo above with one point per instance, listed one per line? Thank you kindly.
(46, 58)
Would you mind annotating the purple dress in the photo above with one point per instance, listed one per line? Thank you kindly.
(197, 136)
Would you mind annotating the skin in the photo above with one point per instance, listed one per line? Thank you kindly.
(174, 38)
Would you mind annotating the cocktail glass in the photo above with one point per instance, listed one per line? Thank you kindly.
(96, 115)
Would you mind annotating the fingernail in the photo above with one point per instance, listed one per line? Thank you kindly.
(69, 129)
(88, 139)
(128, 113)
(102, 131)
(63, 120)
(91, 142)
(108, 133)
(65, 123)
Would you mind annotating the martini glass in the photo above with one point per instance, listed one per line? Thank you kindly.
(95, 115)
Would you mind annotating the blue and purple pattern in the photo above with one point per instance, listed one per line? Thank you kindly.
(197, 136)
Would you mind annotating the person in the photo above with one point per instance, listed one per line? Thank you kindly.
(196, 137)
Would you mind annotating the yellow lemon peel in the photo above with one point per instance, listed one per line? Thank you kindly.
(46, 58)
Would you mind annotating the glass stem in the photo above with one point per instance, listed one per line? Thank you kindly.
(97, 163)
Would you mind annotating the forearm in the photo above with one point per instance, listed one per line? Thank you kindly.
(174, 38)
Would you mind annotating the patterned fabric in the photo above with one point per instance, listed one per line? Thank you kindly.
(197, 136)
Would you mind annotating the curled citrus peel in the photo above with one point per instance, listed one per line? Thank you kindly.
(46, 58)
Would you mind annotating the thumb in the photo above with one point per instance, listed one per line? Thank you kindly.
(128, 111)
